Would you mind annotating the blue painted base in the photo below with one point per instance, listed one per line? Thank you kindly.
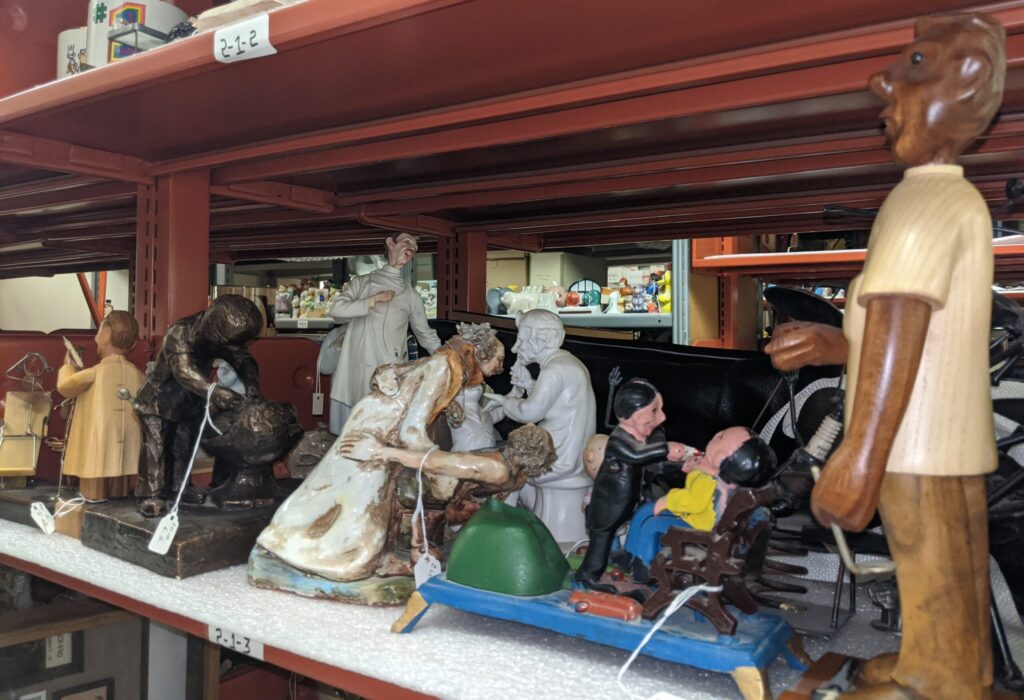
(267, 571)
(686, 638)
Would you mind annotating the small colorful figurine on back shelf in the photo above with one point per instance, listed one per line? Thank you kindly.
(665, 292)
(105, 436)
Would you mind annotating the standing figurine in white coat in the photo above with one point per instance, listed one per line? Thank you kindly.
(380, 307)
(561, 400)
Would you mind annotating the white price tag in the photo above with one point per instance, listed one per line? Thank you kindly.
(318, 403)
(302, 323)
(58, 650)
(238, 642)
(41, 516)
(161, 541)
(425, 569)
(244, 40)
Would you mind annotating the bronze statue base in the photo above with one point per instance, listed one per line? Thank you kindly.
(208, 538)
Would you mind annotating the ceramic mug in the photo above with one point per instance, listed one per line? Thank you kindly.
(70, 51)
(107, 14)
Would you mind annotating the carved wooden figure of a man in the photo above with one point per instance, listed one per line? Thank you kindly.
(919, 428)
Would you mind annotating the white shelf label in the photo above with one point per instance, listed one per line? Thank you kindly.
(238, 642)
(58, 650)
(244, 40)
(302, 323)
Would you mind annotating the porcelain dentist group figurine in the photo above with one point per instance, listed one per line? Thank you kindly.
(380, 308)
(561, 400)
(919, 427)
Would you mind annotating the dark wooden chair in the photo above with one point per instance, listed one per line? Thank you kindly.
(728, 556)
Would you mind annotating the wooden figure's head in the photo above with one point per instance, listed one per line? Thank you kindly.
(944, 88)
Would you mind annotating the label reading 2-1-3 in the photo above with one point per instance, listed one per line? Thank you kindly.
(236, 641)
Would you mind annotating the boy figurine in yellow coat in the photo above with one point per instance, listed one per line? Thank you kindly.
(734, 457)
(105, 437)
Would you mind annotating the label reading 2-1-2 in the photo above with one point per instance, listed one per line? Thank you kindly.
(243, 40)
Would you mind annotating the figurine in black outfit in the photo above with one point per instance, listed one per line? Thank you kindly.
(172, 400)
(633, 443)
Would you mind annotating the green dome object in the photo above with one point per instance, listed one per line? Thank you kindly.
(507, 550)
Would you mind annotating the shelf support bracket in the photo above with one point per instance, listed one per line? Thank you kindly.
(280, 194)
(47, 154)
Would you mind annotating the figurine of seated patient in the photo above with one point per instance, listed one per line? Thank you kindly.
(734, 457)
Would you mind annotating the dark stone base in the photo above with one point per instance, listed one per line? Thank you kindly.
(208, 538)
(14, 503)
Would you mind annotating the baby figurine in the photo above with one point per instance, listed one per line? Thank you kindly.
(734, 457)
(105, 436)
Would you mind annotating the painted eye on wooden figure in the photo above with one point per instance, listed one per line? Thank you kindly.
(916, 57)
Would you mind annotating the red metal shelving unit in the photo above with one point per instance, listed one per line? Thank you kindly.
(476, 123)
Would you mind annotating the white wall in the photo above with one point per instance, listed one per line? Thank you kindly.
(48, 303)
(118, 289)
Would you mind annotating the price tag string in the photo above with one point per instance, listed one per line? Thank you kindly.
(164, 534)
(427, 566)
(679, 601)
(207, 421)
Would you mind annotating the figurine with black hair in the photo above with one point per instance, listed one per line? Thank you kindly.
(635, 442)
(171, 402)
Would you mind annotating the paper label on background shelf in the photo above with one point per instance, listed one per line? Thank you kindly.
(58, 650)
(41, 516)
(243, 40)
(302, 323)
(238, 642)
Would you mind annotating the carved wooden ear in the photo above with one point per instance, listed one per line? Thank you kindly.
(975, 70)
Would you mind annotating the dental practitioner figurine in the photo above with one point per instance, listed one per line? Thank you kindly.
(380, 307)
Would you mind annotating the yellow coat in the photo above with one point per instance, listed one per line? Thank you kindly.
(105, 432)
(696, 503)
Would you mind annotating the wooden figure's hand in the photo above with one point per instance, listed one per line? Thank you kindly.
(847, 492)
(798, 344)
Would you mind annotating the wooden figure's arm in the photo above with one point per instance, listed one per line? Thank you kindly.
(894, 335)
